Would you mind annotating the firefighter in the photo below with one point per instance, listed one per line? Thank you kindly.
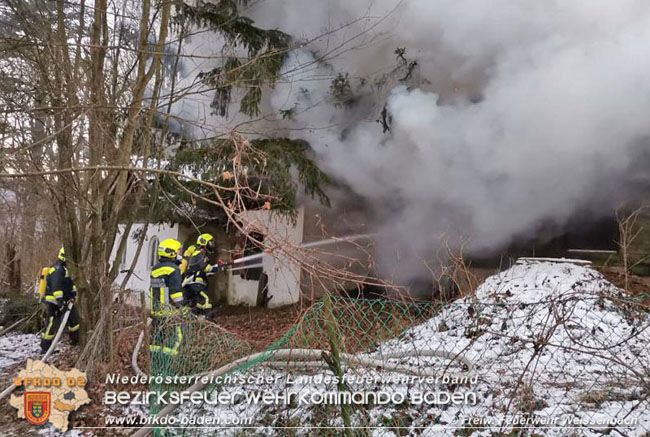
(60, 290)
(166, 297)
(195, 280)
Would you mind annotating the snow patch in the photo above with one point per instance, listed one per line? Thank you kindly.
(549, 339)
(15, 348)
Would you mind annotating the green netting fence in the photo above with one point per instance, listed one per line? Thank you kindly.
(190, 346)
(576, 363)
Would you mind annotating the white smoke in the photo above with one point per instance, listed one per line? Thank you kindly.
(563, 92)
(519, 112)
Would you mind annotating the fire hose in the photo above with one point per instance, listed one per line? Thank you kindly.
(55, 342)
(313, 358)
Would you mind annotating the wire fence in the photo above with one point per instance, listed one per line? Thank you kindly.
(532, 352)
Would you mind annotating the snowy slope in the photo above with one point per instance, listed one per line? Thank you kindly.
(552, 340)
(562, 329)
(17, 347)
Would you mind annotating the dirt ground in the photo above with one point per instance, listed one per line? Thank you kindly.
(638, 286)
(259, 327)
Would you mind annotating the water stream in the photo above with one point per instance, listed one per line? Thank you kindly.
(319, 243)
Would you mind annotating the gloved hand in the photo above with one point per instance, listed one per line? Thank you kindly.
(72, 297)
(223, 264)
(219, 266)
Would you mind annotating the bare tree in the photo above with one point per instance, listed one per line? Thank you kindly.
(90, 74)
(629, 229)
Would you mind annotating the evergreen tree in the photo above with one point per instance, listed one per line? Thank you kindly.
(278, 167)
(266, 51)
(275, 170)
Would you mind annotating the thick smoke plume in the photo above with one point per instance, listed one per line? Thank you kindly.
(518, 112)
(503, 114)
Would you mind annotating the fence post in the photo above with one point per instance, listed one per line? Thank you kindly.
(144, 313)
(334, 361)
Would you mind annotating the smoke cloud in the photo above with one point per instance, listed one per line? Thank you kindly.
(503, 114)
(517, 113)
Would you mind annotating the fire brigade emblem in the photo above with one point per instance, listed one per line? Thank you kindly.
(37, 407)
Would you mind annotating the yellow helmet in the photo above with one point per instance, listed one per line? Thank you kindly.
(61, 256)
(207, 241)
(169, 248)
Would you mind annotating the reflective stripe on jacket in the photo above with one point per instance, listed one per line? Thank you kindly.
(197, 269)
(165, 288)
(60, 286)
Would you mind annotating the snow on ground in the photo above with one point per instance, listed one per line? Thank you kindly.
(563, 330)
(16, 347)
(553, 341)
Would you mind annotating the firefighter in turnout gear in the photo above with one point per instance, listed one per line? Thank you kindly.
(166, 298)
(195, 279)
(60, 290)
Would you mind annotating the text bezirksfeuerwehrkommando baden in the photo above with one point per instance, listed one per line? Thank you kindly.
(296, 398)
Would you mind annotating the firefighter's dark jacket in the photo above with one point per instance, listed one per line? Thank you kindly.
(166, 286)
(60, 287)
(198, 269)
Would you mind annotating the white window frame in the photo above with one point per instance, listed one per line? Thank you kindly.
(152, 255)
(123, 258)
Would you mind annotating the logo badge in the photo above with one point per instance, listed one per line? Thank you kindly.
(37, 407)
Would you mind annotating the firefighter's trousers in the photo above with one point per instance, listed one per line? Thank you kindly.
(52, 321)
(196, 297)
(166, 336)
